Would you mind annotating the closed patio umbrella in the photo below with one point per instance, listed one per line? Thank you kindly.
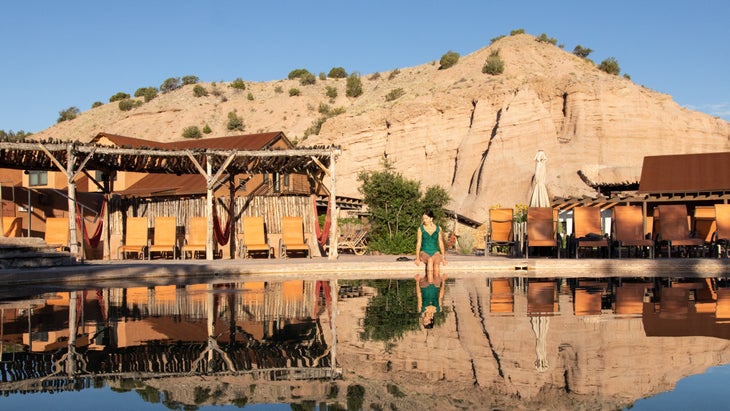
(539, 196)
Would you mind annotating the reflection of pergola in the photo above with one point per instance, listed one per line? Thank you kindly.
(215, 165)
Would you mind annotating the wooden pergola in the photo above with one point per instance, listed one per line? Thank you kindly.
(215, 165)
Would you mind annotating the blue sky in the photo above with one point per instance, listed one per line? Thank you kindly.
(62, 54)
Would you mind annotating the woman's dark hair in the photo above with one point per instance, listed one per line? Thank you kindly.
(428, 213)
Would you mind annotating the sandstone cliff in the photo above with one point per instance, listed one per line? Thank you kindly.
(472, 133)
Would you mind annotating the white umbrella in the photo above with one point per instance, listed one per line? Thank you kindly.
(539, 196)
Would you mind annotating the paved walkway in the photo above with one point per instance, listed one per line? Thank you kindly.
(350, 266)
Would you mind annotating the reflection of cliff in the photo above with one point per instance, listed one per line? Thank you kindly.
(603, 361)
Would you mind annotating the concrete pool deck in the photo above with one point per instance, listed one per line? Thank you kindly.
(358, 267)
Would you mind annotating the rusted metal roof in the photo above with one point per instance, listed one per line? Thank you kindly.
(685, 173)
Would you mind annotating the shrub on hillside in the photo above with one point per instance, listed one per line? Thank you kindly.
(11, 135)
(249, 96)
(353, 88)
(449, 59)
(298, 73)
(495, 39)
(68, 114)
(294, 92)
(543, 38)
(374, 76)
(516, 32)
(394, 94)
(331, 92)
(206, 129)
(307, 79)
(234, 122)
(581, 51)
(610, 66)
(186, 80)
(199, 91)
(172, 83)
(148, 93)
(494, 64)
(119, 96)
(191, 132)
(96, 104)
(238, 84)
(393, 74)
(337, 72)
(128, 104)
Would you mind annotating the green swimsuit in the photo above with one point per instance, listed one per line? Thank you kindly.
(430, 296)
(430, 242)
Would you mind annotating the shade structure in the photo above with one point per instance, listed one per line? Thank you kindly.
(539, 196)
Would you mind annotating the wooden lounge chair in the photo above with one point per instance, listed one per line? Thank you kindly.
(703, 224)
(501, 230)
(355, 241)
(195, 244)
(541, 229)
(292, 237)
(254, 237)
(587, 230)
(12, 226)
(57, 232)
(135, 239)
(628, 229)
(674, 229)
(165, 237)
(721, 237)
(502, 297)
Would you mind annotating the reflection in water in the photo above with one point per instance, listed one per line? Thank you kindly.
(499, 342)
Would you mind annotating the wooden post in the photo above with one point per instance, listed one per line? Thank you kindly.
(333, 209)
(73, 233)
(209, 244)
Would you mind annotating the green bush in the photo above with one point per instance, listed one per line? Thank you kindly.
(206, 129)
(581, 51)
(249, 96)
(187, 80)
(199, 91)
(337, 72)
(234, 122)
(494, 64)
(610, 66)
(394, 94)
(191, 132)
(172, 83)
(516, 32)
(119, 96)
(96, 104)
(449, 59)
(374, 76)
(238, 84)
(495, 39)
(298, 73)
(322, 76)
(68, 114)
(128, 104)
(307, 79)
(148, 93)
(278, 89)
(393, 74)
(331, 92)
(294, 92)
(543, 38)
(11, 135)
(354, 85)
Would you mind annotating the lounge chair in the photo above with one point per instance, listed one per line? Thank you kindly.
(674, 229)
(292, 237)
(541, 229)
(501, 230)
(254, 237)
(502, 297)
(165, 237)
(628, 229)
(703, 224)
(721, 237)
(135, 239)
(195, 244)
(353, 238)
(587, 230)
(12, 226)
(57, 232)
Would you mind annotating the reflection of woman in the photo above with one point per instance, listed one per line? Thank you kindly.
(430, 297)
(430, 246)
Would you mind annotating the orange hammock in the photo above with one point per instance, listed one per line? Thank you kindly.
(94, 239)
(221, 235)
(324, 233)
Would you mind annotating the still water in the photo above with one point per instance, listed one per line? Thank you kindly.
(497, 343)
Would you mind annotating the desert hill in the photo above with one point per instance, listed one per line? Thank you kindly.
(472, 133)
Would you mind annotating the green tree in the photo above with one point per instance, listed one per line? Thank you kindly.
(234, 122)
(172, 83)
(148, 93)
(186, 80)
(353, 88)
(298, 73)
(238, 84)
(119, 96)
(610, 66)
(68, 114)
(11, 135)
(449, 59)
(337, 72)
(581, 51)
(494, 64)
(96, 104)
(307, 79)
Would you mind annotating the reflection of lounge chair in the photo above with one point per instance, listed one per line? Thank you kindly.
(196, 242)
(674, 228)
(501, 230)
(57, 232)
(587, 300)
(165, 238)
(630, 298)
(628, 229)
(541, 297)
(674, 303)
(723, 304)
(12, 226)
(721, 238)
(254, 237)
(541, 228)
(502, 296)
(135, 240)
(292, 237)
(587, 230)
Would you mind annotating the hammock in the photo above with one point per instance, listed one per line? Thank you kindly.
(221, 235)
(94, 239)
(324, 233)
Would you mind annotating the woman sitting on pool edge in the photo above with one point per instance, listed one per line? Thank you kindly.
(430, 298)
(430, 246)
